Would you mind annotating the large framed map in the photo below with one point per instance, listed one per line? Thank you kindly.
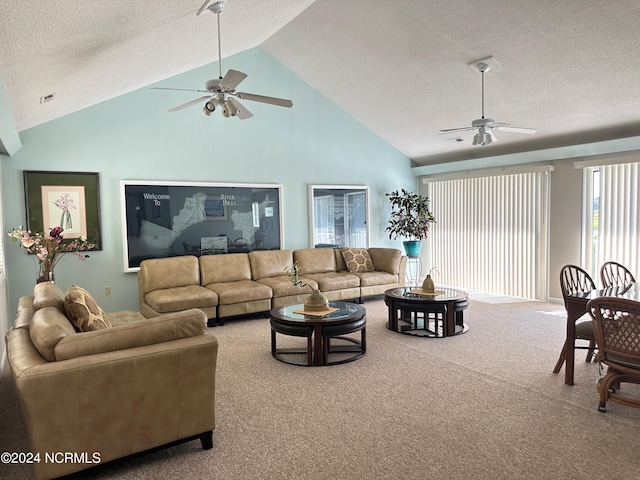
(162, 219)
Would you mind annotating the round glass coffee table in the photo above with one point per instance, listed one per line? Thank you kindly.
(326, 335)
(426, 315)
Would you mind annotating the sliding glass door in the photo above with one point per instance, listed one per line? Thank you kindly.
(612, 217)
(491, 232)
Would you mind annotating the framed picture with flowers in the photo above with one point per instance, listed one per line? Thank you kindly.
(68, 200)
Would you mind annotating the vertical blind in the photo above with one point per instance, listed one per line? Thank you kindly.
(325, 226)
(491, 233)
(612, 217)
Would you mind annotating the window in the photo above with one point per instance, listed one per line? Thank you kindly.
(339, 215)
(612, 216)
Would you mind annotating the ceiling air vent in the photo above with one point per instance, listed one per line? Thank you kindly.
(47, 98)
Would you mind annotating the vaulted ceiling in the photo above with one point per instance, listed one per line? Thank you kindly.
(569, 69)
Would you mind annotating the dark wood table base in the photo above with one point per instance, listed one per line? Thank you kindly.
(335, 341)
(325, 336)
(421, 327)
(433, 317)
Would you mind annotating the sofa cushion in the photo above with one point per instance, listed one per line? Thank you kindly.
(48, 326)
(160, 273)
(180, 298)
(230, 267)
(340, 265)
(164, 328)
(241, 291)
(330, 281)
(386, 259)
(315, 260)
(357, 259)
(83, 311)
(24, 312)
(269, 263)
(369, 279)
(47, 294)
(282, 286)
(125, 317)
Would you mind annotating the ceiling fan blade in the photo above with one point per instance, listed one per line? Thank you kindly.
(204, 5)
(178, 89)
(231, 80)
(188, 104)
(243, 113)
(280, 102)
(461, 129)
(529, 131)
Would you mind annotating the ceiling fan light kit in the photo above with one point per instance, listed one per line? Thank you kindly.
(485, 126)
(484, 137)
(209, 107)
(230, 108)
(221, 90)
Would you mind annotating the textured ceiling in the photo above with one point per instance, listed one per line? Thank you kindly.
(570, 68)
(89, 51)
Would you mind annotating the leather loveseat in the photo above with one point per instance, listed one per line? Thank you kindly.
(241, 283)
(133, 385)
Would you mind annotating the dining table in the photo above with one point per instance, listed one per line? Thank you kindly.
(576, 306)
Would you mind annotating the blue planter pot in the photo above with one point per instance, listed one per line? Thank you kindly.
(412, 247)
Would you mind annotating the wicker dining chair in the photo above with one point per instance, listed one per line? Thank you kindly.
(617, 330)
(614, 274)
(574, 279)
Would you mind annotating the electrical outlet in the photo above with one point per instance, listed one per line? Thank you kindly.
(107, 290)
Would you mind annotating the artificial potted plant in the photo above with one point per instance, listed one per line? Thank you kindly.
(410, 219)
(317, 301)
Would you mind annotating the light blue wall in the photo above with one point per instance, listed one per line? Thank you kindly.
(134, 137)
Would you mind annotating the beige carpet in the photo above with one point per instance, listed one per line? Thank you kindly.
(483, 405)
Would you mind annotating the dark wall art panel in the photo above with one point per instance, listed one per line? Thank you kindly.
(169, 219)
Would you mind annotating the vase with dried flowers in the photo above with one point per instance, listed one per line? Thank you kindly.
(316, 302)
(49, 249)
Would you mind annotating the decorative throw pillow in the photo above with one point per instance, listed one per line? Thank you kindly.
(357, 259)
(83, 311)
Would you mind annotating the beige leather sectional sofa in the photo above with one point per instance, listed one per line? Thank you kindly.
(132, 385)
(241, 283)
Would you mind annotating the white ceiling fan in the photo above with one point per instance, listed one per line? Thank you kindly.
(485, 126)
(220, 91)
